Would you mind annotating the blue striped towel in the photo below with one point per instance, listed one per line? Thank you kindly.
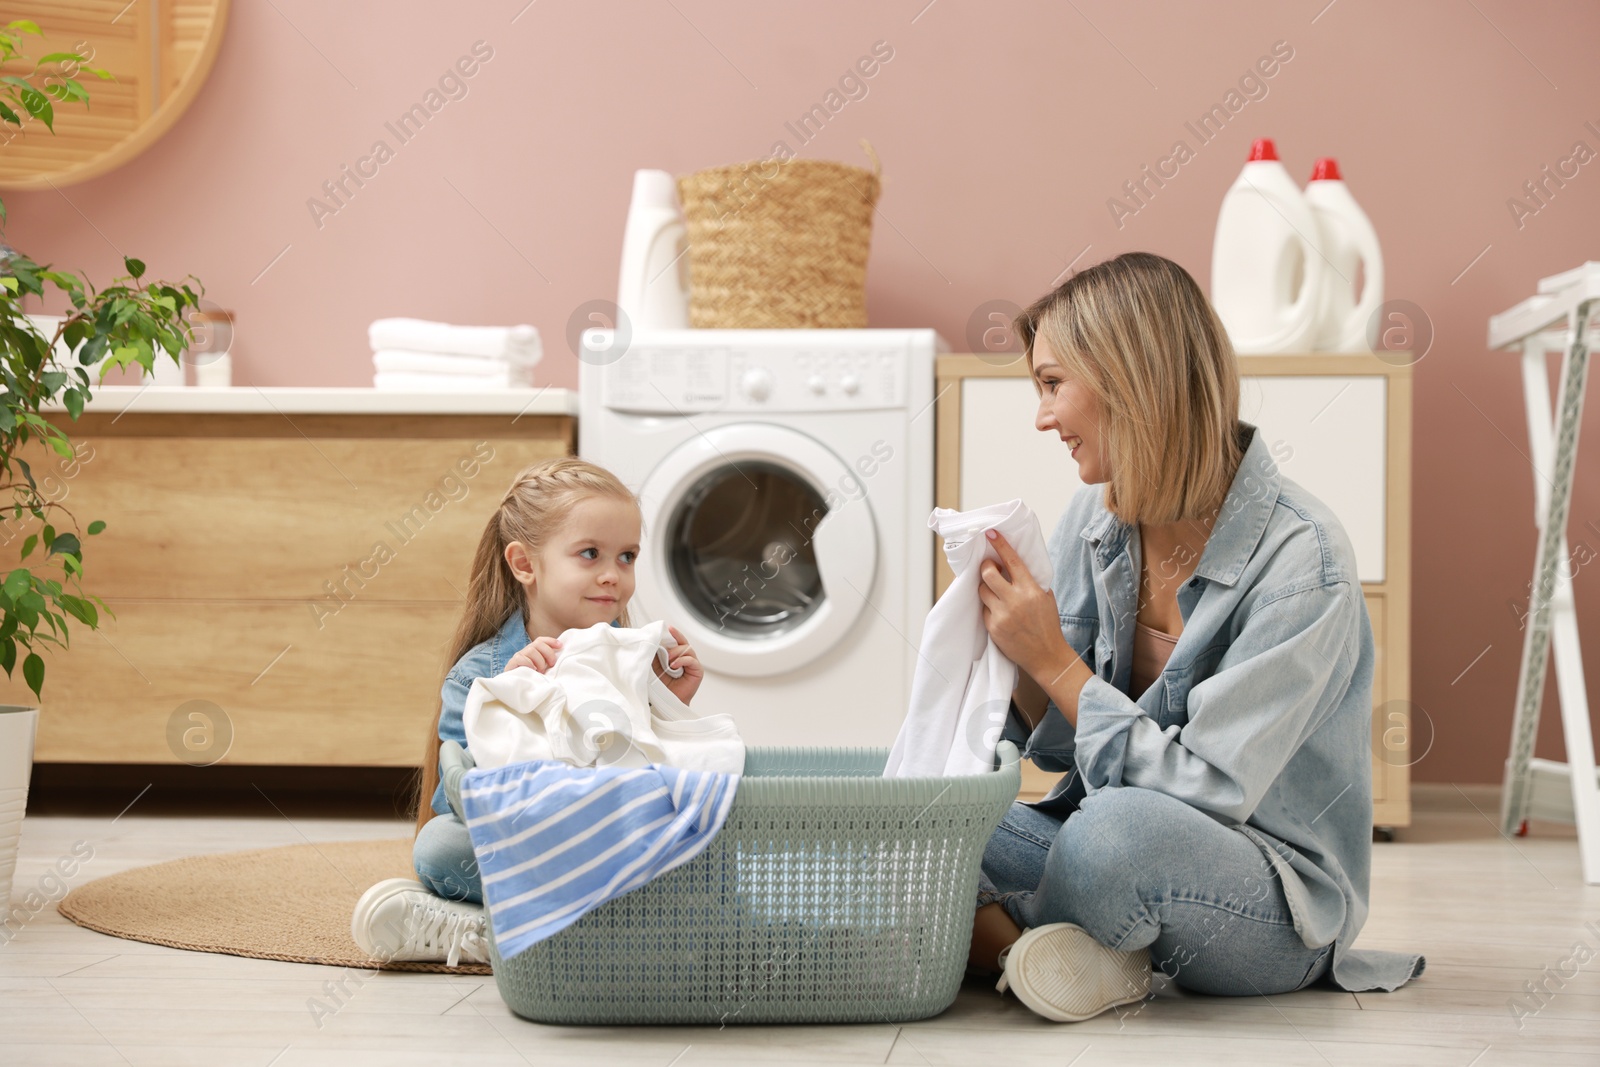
(554, 841)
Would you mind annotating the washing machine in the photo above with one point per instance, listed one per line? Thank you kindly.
(786, 478)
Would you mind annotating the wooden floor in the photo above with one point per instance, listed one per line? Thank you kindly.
(1490, 914)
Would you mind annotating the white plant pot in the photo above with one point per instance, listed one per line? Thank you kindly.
(18, 725)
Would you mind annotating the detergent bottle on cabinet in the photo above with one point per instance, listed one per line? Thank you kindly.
(1349, 248)
(1266, 273)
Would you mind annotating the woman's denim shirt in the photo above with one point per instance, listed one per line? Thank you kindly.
(485, 659)
(1262, 717)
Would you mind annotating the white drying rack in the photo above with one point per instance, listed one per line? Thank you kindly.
(1557, 318)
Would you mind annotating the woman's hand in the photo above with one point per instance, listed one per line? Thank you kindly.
(682, 655)
(541, 655)
(1021, 615)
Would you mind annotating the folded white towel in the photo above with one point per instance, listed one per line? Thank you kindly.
(428, 383)
(517, 343)
(404, 362)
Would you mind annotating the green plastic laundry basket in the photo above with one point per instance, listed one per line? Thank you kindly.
(831, 894)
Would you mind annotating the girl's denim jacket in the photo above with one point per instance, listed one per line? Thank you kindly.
(485, 659)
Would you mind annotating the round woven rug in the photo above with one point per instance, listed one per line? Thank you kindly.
(291, 903)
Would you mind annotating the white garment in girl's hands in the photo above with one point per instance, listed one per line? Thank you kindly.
(599, 704)
(961, 691)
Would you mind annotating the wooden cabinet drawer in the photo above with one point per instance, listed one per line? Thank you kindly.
(294, 582)
(311, 519)
(356, 690)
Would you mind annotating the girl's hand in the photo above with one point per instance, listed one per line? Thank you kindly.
(1021, 616)
(682, 655)
(541, 655)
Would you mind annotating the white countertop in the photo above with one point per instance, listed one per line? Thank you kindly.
(267, 400)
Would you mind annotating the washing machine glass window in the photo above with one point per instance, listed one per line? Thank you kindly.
(739, 549)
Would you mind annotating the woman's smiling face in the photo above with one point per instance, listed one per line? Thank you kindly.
(1068, 409)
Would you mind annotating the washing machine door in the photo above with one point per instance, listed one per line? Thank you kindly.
(762, 547)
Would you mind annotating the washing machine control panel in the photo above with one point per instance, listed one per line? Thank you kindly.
(671, 379)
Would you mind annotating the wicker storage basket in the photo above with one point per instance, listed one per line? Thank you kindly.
(779, 244)
(831, 894)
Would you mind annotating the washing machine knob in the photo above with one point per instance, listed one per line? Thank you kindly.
(817, 384)
(850, 384)
(756, 383)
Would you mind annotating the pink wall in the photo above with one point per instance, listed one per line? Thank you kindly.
(1003, 130)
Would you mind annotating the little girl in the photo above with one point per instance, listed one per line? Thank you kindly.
(557, 554)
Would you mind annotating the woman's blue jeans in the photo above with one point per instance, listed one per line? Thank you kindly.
(443, 858)
(1141, 869)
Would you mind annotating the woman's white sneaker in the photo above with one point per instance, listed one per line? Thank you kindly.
(398, 919)
(1062, 973)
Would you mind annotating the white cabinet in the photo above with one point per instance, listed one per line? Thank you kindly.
(1328, 435)
(1338, 425)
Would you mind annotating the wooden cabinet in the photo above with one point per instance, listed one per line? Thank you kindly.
(1338, 424)
(284, 583)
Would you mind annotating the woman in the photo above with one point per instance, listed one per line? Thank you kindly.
(1202, 670)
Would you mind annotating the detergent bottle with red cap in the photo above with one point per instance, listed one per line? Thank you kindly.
(1266, 274)
(1352, 289)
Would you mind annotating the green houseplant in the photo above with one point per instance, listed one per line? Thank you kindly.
(129, 322)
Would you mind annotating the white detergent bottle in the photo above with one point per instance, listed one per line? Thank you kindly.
(1349, 246)
(1266, 275)
(653, 290)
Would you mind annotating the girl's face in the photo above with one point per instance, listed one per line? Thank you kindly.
(584, 574)
(1069, 410)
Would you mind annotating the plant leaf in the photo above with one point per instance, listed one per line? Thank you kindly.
(39, 107)
(33, 672)
(17, 583)
(81, 610)
(94, 349)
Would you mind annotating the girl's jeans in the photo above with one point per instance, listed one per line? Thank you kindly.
(442, 856)
(1137, 869)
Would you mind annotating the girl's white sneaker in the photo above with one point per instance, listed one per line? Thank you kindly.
(1062, 973)
(398, 919)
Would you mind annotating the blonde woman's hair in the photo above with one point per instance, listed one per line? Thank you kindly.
(540, 498)
(1139, 334)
